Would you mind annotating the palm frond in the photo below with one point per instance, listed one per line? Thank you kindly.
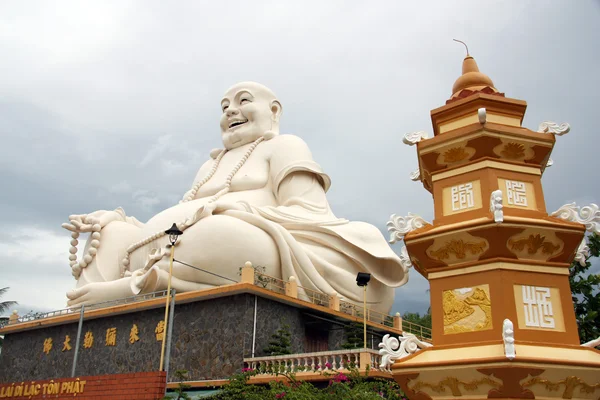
(6, 305)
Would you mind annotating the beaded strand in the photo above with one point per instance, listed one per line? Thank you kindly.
(194, 190)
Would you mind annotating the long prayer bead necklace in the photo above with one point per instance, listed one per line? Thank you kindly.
(76, 267)
(190, 196)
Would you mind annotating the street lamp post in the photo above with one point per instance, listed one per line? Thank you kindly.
(173, 233)
(361, 280)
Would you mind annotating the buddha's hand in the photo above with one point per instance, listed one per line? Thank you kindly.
(94, 221)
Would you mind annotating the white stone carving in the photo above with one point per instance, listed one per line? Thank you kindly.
(415, 175)
(592, 343)
(554, 128)
(399, 226)
(583, 252)
(496, 206)
(482, 115)
(392, 349)
(537, 307)
(405, 258)
(241, 190)
(587, 215)
(516, 193)
(413, 138)
(508, 336)
(462, 197)
(549, 163)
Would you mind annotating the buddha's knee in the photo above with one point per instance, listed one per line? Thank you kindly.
(223, 244)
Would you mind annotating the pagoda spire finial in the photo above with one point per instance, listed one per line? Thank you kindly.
(471, 79)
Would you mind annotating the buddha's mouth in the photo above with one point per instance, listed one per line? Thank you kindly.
(235, 124)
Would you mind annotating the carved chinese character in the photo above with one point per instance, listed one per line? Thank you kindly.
(111, 336)
(47, 345)
(538, 307)
(462, 197)
(516, 193)
(67, 343)
(88, 340)
(133, 334)
(160, 330)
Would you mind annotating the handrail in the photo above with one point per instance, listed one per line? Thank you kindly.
(269, 282)
(420, 331)
(73, 310)
(313, 296)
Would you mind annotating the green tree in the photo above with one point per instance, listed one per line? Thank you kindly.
(281, 342)
(4, 307)
(585, 291)
(355, 336)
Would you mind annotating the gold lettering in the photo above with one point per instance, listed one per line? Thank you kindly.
(133, 334)
(47, 345)
(63, 387)
(3, 392)
(36, 389)
(111, 336)
(82, 383)
(45, 388)
(54, 388)
(88, 340)
(160, 330)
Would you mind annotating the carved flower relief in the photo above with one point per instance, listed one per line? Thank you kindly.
(455, 155)
(458, 248)
(514, 151)
(535, 245)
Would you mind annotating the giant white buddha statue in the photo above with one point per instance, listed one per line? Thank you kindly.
(260, 199)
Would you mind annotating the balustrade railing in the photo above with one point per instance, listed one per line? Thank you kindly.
(324, 362)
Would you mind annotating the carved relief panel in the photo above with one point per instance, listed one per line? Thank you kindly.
(539, 308)
(462, 197)
(535, 244)
(467, 309)
(461, 247)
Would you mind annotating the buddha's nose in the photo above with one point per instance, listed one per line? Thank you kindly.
(232, 111)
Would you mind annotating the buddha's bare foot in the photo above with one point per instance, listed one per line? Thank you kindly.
(99, 292)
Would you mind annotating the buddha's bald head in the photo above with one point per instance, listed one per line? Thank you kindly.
(250, 110)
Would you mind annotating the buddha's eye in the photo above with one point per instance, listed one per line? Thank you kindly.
(225, 108)
(244, 101)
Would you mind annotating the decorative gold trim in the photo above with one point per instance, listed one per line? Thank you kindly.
(459, 248)
(570, 382)
(455, 154)
(534, 243)
(453, 383)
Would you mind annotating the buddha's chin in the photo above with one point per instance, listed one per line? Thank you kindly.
(231, 140)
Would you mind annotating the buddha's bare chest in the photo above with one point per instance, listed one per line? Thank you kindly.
(253, 174)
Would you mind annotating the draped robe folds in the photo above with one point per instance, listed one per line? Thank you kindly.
(323, 252)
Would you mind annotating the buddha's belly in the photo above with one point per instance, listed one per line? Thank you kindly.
(180, 212)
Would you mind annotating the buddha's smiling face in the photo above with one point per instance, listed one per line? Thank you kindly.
(249, 111)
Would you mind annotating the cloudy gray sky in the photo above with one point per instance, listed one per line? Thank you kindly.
(116, 103)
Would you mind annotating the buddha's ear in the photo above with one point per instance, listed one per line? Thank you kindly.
(276, 110)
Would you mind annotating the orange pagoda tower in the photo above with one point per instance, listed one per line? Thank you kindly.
(503, 324)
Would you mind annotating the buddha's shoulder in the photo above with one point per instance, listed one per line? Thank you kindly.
(287, 141)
